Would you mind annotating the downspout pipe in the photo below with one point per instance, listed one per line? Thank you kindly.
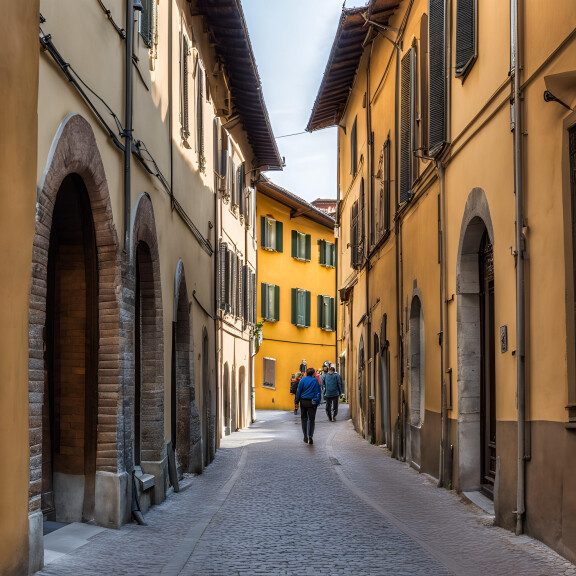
(515, 53)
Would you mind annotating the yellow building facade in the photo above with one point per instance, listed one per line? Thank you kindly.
(296, 292)
(456, 325)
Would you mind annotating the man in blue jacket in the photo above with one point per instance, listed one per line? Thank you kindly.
(332, 391)
(308, 395)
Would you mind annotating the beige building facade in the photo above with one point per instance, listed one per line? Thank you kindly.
(143, 132)
(456, 153)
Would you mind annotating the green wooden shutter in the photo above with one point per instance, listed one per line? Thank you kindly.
(276, 302)
(332, 314)
(307, 308)
(322, 252)
(294, 298)
(333, 255)
(263, 232)
(294, 244)
(279, 236)
(308, 247)
(319, 314)
(437, 74)
(264, 296)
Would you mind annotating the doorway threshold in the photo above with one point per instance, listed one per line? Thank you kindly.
(483, 502)
(70, 537)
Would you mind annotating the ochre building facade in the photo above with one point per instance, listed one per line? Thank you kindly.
(456, 158)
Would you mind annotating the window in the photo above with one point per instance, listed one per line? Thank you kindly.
(466, 37)
(301, 246)
(423, 62)
(269, 373)
(353, 150)
(184, 94)
(326, 316)
(301, 307)
(270, 305)
(240, 190)
(383, 176)
(200, 117)
(354, 237)
(407, 124)
(437, 74)
(327, 254)
(146, 23)
(272, 231)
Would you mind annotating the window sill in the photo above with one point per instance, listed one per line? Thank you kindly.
(328, 266)
(268, 249)
(300, 259)
(301, 326)
(270, 320)
(268, 387)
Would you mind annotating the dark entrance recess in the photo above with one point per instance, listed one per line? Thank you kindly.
(69, 414)
(487, 368)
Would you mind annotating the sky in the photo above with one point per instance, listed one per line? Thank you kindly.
(291, 40)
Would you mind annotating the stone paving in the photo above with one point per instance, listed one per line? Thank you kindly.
(271, 505)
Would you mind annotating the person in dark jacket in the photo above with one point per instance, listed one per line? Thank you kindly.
(308, 396)
(294, 387)
(332, 389)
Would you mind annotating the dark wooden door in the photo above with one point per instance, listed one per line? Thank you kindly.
(488, 372)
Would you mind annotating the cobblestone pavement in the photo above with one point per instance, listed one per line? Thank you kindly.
(271, 505)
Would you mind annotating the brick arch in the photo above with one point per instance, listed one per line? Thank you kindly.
(145, 257)
(187, 415)
(74, 151)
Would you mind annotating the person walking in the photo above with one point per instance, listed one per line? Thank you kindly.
(294, 387)
(325, 367)
(308, 396)
(332, 389)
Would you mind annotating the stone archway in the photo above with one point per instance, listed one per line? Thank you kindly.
(148, 439)
(187, 418)
(74, 161)
(476, 225)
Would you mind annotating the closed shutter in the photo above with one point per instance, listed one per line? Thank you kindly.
(223, 162)
(308, 248)
(353, 234)
(245, 294)
(147, 21)
(465, 35)
(353, 149)
(254, 296)
(276, 303)
(240, 186)
(240, 272)
(437, 73)
(263, 237)
(184, 107)
(222, 275)
(323, 260)
(279, 236)
(406, 126)
(217, 137)
(386, 185)
(423, 64)
(264, 300)
(200, 117)
(228, 282)
(269, 373)
(308, 307)
(361, 223)
(294, 252)
(234, 282)
(332, 309)
(294, 305)
(320, 300)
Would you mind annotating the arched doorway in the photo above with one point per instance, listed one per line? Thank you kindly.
(243, 401)
(226, 399)
(417, 380)
(69, 415)
(476, 333)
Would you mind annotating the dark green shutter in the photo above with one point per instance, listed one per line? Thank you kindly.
(437, 74)
(308, 247)
(353, 150)
(307, 308)
(279, 236)
(200, 116)
(264, 296)
(406, 108)
(332, 314)
(333, 255)
(465, 35)
(184, 120)
(263, 232)
(294, 298)
(319, 299)
(147, 22)
(276, 302)
(323, 260)
(294, 244)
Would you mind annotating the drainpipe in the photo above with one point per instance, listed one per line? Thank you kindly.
(129, 46)
(519, 253)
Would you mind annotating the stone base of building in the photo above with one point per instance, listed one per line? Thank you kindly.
(35, 542)
(113, 499)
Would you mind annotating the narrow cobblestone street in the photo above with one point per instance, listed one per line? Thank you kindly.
(272, 505)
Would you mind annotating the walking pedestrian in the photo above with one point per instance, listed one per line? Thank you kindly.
(294, 387)
(332, 391)
(308, 396)
(325, 367)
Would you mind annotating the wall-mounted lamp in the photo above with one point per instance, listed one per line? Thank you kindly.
(549, 97)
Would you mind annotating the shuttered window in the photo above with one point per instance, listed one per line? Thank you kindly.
(385, 188)
(466, 36)
(301, 246)
(253, 300)
(184, 93)
(361, 223)
(240, 189)
(269, 373)
(270, 302)
(407, 124)
(233, 282)
(423, 65)
(353, 149)
(301, 307)
(222, 262)
(326, 316)
(146, 23)
(200, 118)
(354, 240)
(272, 234)
(437, 75)
(239, 288)
(327, 254)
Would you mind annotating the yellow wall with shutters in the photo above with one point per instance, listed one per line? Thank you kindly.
(282, 340)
